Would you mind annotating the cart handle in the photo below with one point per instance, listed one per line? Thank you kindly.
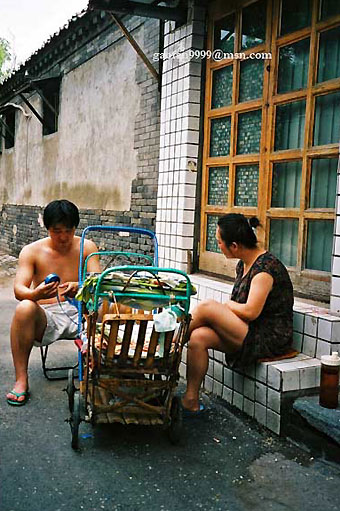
(153, 270)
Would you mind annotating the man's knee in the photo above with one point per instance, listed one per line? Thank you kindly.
(26, 309)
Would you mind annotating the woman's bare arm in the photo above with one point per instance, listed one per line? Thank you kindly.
(260, 287)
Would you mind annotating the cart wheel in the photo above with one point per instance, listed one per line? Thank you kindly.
(75, 419)
(70, 389)
(176, 421)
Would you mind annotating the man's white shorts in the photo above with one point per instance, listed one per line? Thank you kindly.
(62, 323)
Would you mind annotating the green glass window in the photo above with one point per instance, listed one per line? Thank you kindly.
(329, 8)
(295, 15)
(319, 245)
(220, 136)
(253, 25)
(327, 119)
(286, 185)
(290, 125)
(218, 186)
(283, 240)
(323, 183)
(224, 34)
(251, 80)
(249, 132)
(246, 185)
(293, 66)
(212, 245)
(222, 87)
(329, 56)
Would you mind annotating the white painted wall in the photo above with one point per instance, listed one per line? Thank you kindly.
(91, 160)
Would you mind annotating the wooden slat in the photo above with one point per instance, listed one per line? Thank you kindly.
(112, 340)
(140, 343)
(126, 342)
(167, 346)
(152, 349)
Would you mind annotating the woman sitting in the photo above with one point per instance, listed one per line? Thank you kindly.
(258, 320)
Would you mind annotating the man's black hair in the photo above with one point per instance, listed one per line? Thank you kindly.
(61, 212)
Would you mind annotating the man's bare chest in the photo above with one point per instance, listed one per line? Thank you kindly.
(66, 266)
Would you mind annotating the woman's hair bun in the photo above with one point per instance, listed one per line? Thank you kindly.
(254, 222)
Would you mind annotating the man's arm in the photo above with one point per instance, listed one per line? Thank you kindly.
(260, 287)
(93, 264)
(24, 277)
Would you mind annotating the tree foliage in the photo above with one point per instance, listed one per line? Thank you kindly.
(5, 58)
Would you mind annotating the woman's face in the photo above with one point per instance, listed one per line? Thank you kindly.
(226, 251)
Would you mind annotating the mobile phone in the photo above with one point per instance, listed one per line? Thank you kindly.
(52, 277)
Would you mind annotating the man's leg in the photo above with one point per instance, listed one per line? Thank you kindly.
(28, 325)
(213, 326)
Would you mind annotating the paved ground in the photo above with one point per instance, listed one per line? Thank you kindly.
(224, 462)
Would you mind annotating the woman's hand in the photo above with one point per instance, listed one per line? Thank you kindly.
(68, 289)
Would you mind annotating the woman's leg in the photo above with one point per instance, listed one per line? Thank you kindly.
(213, 326)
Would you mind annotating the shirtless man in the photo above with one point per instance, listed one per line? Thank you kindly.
(39, 320)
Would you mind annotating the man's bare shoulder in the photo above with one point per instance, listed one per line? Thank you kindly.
(89, 247)
(34, 248)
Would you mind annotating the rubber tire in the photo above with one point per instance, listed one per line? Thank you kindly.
(70, 389)
(75, 420)
(176, 421)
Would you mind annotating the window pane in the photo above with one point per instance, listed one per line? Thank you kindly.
(293, 66)
(254, 25)
(251, 80)
(290, 125)
(249, 132)
(220, 136)
(211, 234)
(329, 57)
(323, 183)
(295, 15)
(224, 34)
(327, 119)
(283, 240)
(319, 245)
(286, 185)
(222, 87)
(329, 8)
(246, 186)
(218, 186)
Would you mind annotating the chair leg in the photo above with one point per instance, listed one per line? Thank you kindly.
(46, 370)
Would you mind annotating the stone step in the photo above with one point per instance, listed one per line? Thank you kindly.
(324, 420)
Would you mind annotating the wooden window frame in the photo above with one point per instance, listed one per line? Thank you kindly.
(215, 263)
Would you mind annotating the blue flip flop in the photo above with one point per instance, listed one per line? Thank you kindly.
(13, 402)
(196, 413)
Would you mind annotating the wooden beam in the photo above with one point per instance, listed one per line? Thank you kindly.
(135, 45)
(45, 100)
(31, 107)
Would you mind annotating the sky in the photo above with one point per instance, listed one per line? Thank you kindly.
(27, 24)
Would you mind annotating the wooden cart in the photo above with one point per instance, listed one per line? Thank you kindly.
(131, 371)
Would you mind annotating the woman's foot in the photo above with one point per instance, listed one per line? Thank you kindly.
(190, 404)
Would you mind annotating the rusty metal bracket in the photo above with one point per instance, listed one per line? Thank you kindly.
(135, 45)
